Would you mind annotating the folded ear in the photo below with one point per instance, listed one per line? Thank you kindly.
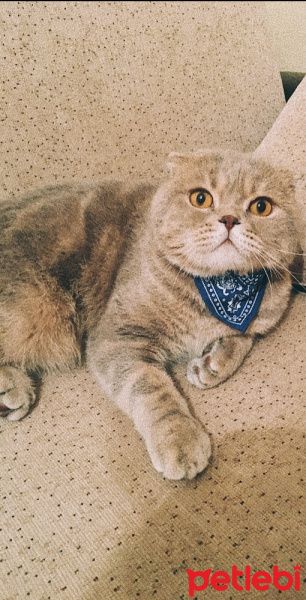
(177, 158)
(174, 160)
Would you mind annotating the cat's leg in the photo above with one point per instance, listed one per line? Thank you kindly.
(219, 360)
(177, 444)
(38, 332)
(17, 394)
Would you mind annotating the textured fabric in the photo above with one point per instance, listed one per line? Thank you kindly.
(107, 89)
(284, 145)
(84, 516)
(232, 298)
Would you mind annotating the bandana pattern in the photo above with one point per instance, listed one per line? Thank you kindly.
(232, 298)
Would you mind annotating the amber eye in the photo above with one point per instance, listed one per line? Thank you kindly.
(201, 198)
(261, 207)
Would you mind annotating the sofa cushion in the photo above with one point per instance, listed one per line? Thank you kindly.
(108, 89)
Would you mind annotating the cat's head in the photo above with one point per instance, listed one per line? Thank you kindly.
(224, 210)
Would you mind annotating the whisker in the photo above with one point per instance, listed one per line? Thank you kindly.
(186, 252)
(277, 266)
(266, 272)
(292, 253)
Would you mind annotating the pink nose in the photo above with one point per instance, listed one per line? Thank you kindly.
(229, 221)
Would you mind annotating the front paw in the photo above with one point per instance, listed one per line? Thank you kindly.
(201, 374)
(17, 394)
(220, 360)
(204, 372)
(178, 447)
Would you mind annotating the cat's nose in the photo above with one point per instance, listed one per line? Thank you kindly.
(229, 221)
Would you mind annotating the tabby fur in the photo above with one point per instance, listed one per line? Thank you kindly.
(111, 266)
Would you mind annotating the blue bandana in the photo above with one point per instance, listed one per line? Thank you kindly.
(232, 298)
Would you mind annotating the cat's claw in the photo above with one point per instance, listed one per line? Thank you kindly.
(181, 449)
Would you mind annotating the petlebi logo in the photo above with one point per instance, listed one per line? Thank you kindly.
(260, 580)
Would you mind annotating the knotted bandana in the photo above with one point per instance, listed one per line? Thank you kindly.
(232, 298)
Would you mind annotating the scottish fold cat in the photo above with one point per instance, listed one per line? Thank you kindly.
(148, 276)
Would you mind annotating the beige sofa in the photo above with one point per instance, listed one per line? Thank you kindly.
(107, 90)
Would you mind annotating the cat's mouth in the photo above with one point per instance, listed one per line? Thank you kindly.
(227, 243)
(228, 256)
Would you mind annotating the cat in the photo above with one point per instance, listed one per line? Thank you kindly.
(121, 266)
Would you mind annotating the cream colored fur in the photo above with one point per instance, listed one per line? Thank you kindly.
(112, 265)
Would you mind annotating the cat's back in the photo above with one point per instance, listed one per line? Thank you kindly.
(50, 224)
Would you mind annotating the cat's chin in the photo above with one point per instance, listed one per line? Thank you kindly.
(225, 257)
